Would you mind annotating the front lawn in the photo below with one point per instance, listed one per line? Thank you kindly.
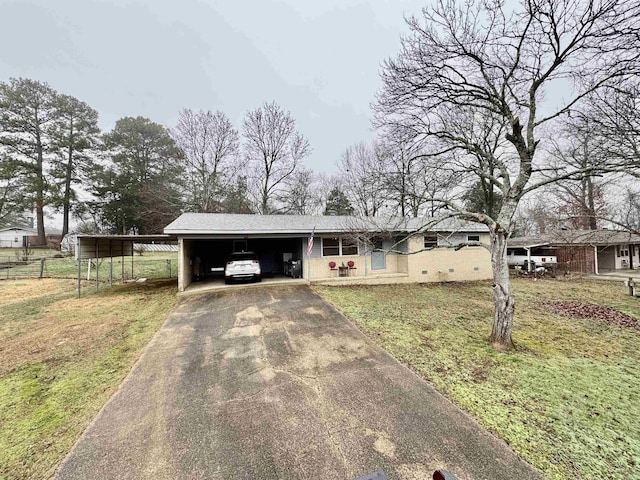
(61, 358)
(567, 400)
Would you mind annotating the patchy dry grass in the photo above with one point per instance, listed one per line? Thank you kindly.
(567, 399)
(150, 265)
(61, 358)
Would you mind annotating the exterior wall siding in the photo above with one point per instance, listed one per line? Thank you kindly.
(438, 265)
(8, 238)
(447, 264)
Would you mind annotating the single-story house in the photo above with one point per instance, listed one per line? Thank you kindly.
(400, 250)
(585, 251)
(14, 236)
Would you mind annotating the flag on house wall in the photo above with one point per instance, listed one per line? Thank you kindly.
(310, 243)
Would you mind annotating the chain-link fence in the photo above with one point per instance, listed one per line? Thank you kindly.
(107, 269)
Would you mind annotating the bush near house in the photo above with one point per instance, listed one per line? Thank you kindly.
(566, 400)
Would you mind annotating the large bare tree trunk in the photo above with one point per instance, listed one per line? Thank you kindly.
(502, 295)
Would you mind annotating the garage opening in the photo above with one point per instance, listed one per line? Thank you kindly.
(206, 258)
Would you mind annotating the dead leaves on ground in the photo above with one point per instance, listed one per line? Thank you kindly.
(589, 310)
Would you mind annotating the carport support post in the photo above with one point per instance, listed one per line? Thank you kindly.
(110, 264)
(78, 260)
(97, 265)
(122, 259)
(132, 259)
(595, 258)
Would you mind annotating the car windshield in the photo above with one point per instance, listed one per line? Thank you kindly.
(235, 257)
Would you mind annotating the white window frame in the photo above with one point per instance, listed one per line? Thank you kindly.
(473, 235)
(340, 254)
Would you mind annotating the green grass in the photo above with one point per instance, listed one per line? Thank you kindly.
(149, 265)
(62, 358)
(567, 399)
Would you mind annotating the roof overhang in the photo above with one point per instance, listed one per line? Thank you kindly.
(105, 246)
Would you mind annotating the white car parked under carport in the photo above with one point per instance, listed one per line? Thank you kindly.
(242, 266)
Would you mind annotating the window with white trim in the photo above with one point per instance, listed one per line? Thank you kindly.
(473, 238)
(339, 246)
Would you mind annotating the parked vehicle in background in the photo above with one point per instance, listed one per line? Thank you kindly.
(242, 266)
(518, 259)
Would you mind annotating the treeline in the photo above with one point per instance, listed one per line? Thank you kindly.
(141, 175)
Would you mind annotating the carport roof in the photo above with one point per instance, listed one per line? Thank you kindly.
(577, 237)
(247, 224)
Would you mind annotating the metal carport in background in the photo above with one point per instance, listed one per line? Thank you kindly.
(94, 247)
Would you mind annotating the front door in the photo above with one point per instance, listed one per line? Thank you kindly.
(378, 257)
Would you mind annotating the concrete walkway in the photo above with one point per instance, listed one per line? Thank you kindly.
(275, 384)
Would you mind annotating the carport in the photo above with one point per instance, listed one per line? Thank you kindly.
(206, 241)
(95, 247)
(203, 258)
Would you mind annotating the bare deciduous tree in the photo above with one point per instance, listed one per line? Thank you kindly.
(464, 63)
(362, 178)
(581, 201)
(410, 178)
(303, 195)
(274, 150)
(210, 145)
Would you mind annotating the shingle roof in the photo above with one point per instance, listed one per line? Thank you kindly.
(247, 224)
(18, 227)
(527, 241)
(577, 237)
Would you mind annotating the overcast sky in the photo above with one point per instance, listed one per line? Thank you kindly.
(320, 59)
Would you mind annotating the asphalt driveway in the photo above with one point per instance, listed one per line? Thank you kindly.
(273, 383)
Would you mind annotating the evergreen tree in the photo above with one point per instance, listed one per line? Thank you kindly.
(139, 190)
(27, 109)
(236, 199)
(74, 133)
(338, 203)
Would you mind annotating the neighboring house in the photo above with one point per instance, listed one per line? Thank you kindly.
(396, 250)
(585, 251)
(15, 236)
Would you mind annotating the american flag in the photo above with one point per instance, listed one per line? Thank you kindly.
(310, 242)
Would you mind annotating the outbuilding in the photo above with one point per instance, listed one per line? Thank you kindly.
(16, 236)
(586, 251)
(332, 247)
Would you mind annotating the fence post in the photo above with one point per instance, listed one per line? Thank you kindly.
(42, 267)
(169, 267)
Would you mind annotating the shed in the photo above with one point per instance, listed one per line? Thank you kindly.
(16, 236)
